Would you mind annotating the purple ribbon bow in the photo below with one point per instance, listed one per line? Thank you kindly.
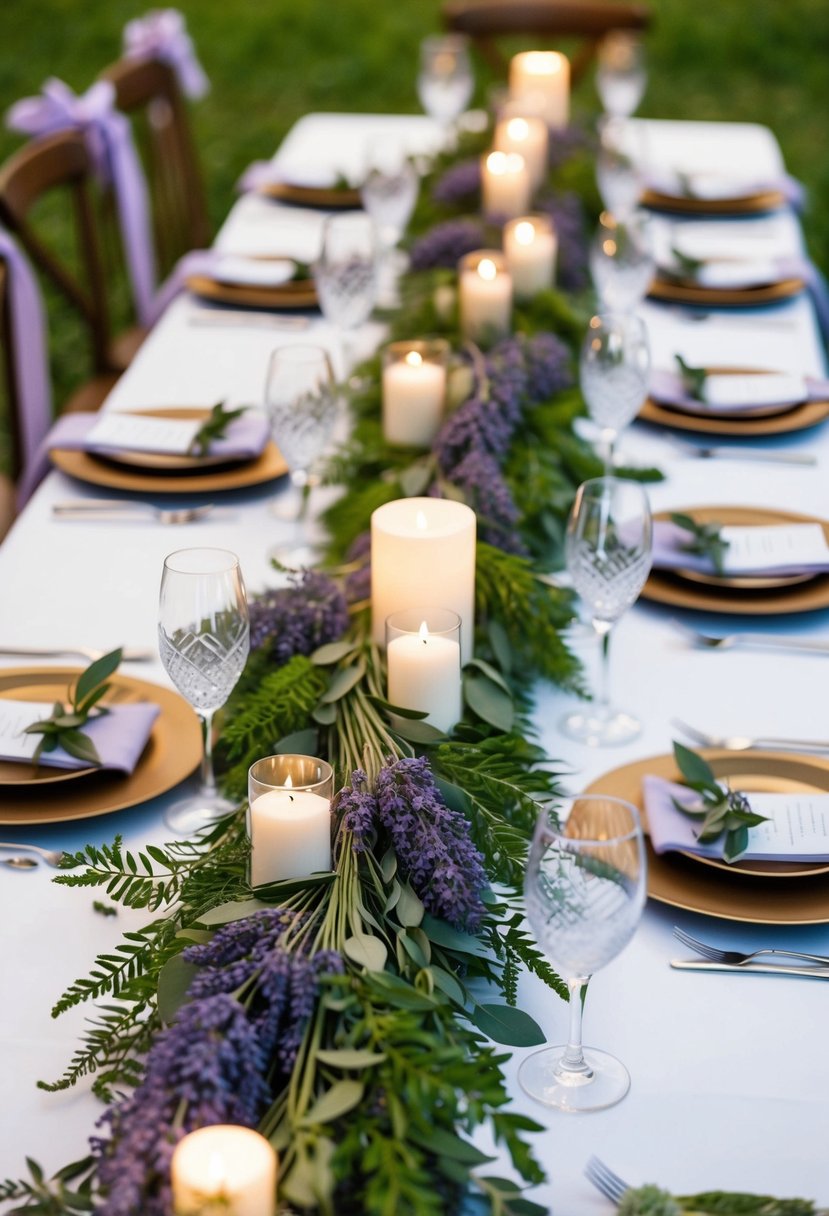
(162, 34)
(28, 336)
(109, 139)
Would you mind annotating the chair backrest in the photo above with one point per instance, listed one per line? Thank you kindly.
(148, 91)
(485, 21)
(11, 407)
(58, 165)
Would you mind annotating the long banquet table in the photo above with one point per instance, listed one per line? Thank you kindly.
(730, 1073)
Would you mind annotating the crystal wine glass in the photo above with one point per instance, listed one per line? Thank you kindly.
(389, 193)
(445, 82)
(204, 640)
(618, 172)
(608, 557)
(584, 890)
(622, 262)
(301, 402)
(620, 76)
(613, 374)
(346, 273)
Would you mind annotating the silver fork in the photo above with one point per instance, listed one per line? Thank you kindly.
(734, 958)
(129, 654)
(52, 857)
(733, 453)
(743, 743)
(764, 640)
(604, 1180)
(106, 509)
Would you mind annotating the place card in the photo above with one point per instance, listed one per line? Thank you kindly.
(15, 716)
(251, 271)
(119, 735)
(753, 389)
(786, 546)
(141, 433)
(796, 826)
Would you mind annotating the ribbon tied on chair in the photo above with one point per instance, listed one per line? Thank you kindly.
(109, 140)
(162, 34)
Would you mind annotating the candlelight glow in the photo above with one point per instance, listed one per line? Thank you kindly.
(496, 162)
(414, 358)
(288, 782)
(518, 129)
(423, 631)
(421, 521)
(543, 63)
(487, 269)
(524, 233)
(216, 1174)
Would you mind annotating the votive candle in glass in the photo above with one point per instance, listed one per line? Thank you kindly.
(414, 391)
(423, 553)
(484, 296)
(423, 653)
(289, 817)
(506, 189)
(529, 136)
(530, 248)
(224, 1168)
(541, 80)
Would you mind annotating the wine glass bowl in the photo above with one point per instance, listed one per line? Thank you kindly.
(621, 76)
(345, 272)
(204, 641)
(584, 890)
(622, 262)
(389, 190)
(445, 81)
(618, 173)
(608, 557)
(614, 367)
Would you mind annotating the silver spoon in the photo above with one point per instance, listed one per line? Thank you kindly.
(52, 857)
(20, 863)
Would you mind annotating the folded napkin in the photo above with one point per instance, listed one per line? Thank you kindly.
(721, 187)
(797, 828)
(262, 173)
(238, 270)
(119, 736)
(774, 551)
(245, 438)
(730, 393)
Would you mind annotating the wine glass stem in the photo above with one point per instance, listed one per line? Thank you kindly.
(208, 778)
(573, 1061)
(603, 701)
(610, 438)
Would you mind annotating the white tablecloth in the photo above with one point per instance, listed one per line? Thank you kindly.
(730, 1073)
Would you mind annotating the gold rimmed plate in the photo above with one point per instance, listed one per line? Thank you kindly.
(172, 753)
(328, 198)
(744, 204)
(740, 596)
(743, 891)
(783, 422)
(698, 409)
(684, 291)
(297, 293)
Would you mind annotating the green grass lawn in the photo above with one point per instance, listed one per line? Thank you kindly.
(269, 63)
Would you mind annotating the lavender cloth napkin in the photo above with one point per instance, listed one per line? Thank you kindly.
(668, 387)
(119, 737)
(244, 439)
(668, 554)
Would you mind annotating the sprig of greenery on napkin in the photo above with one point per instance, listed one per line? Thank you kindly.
(63, 728)
(213, 427)
(653, 1201)
(705, 539)
(693, 378)
(721, 810)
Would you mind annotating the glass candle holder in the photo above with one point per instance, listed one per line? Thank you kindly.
(414, 391)
(485, 296)
(506, 189)
(530, 245)
(529, 136)
(289, 817)
(541, 81)
(423, 652)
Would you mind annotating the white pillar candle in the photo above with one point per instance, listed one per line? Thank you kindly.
(505, 184)
(528, 136)
(485, 296)
(541, 80)
(290, 835)
(414, 391)
(424, 667)
(423, 553)
(530, 248)
(224, 1167)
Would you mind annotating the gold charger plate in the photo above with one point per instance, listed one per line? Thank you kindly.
(739, 895)
(326, 197)
(299, 293)
(794, 418)
(668, 587)
(682, 291)
(745, 204)
(172, 753)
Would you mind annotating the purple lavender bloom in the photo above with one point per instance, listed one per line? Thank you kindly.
(549, 367)
(358, 808)
(211, 1060)
(459, 183)
(567, 214)
(358, 583)
(479, 476)
(444, 245)
(300, 617)
(479, 425)
(567, 142)
(433, 844)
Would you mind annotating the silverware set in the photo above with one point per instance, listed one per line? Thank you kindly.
(713, 958)
(744, 743)
(768, 641)
(117, 510)
(20, 860)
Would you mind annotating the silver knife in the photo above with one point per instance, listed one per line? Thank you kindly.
(224, 318)
(800, 458)
(693, 964)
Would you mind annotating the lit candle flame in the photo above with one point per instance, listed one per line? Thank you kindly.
(423, 632)
(496, 162)
(487, 269)
(414, 358)
(289, 785)
(215, 1174)
(518, 129)
(543, 63)
(421, 521)
(524, 233)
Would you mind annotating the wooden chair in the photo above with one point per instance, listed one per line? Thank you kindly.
(9, 398)
(148, 91)
(58, 169)
(588, 21)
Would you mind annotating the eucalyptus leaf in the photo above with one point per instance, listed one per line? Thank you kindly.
(326, 715)
(80, 746)
(448, 984)
(490, 671)
(736, 843)
(506, 1024)
(236, 909)
(174, 979)
(413, 948)
(416, 479)
(343, 681)
(332, 652)
(443, 934)
(334, 1103)
(444, 1143)
(419, 732)
(301, 742)
(366, 951)
(350, 1058)
(500, 643)
(409, 909)
(96, 673)
(399, 710)
(694, 769)
(488, 700)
